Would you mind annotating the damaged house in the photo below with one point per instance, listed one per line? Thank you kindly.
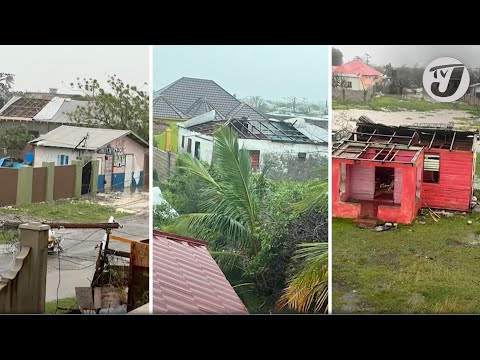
(388, 173)
(260, 136)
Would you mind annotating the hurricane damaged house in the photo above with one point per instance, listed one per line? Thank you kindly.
(388, 173)
(200, 106)
(259, 136)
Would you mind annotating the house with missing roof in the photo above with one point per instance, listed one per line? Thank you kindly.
(294, 139)
(388, 173)
(187, 280)
(40, 113)
(122, 155)
(187, 98)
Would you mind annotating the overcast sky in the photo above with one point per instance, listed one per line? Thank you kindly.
(421, 55)
(272, 72)
(40, 67)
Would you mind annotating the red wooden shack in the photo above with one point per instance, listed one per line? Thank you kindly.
(388, 173)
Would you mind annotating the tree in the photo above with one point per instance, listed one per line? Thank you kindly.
(339, 81)
(15, 138)
(257, 103)
(307, 287)
(366, 58)
(6, 84)
(228, 215)
(337, 57)
(292, 103)
(120, 107)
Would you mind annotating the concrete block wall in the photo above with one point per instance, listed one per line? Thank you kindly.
(163, 163)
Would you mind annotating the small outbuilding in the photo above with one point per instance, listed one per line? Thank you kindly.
(389, 173)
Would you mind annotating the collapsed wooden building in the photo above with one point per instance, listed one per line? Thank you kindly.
(388, 173)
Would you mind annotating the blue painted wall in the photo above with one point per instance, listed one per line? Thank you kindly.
(100, 184)
(118, 182)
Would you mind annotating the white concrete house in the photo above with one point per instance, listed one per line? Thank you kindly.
(293, 137)
(121, 153)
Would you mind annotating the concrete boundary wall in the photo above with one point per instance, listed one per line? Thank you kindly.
(47, 183)
(23, 286)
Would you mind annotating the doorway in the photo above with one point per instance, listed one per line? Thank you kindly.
(384, 183)
(86, 177)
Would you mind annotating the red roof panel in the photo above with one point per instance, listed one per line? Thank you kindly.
(356, 67)
(187, 280)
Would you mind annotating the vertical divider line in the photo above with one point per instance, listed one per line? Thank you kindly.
(150, 175)
(330, 124)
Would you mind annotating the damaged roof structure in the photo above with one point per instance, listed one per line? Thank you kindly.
(187, 280)
(259, 136)
(39, 114)
(388, 173)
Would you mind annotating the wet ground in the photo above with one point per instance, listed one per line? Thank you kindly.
(77, 261)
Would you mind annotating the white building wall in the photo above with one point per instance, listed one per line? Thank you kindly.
(206, 144)
(264, 146)
(356, 84)
(282, 148)
(50, 154)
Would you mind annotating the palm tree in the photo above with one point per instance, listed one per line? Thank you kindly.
(228, 217)
(307, 288)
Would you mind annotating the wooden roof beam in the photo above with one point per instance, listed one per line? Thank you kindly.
(453, 140)
(433, 138)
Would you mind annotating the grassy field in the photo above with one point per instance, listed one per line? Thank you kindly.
(63, 210)
(418, 268)
(389, 103)
(67, 303)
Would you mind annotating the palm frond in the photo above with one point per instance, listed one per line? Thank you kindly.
(195, 167)
(317, 197)
(229, 260)
(211, 225)
(307, 289)
(234, 170)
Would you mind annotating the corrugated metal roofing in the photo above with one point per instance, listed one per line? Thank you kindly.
(50, 109)
(68, 106)
(187, 280)
(358, 68)
(70, 137)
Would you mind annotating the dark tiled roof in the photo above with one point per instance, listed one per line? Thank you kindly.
(202, 106)
(246, 111)
(187, 280)
(165, 108)
(192, 96)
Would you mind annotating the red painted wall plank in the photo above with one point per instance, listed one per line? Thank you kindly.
(397, 186)
(453, 191)
(362, 182)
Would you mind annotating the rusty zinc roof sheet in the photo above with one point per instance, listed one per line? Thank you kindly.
(187, 280)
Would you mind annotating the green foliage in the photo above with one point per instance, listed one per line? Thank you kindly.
(162, 215)
(337, 57)
(307, 289)
(67, 306)
(252, 224)
(120, 107)
(15, 138)
(65, 210)
(181, 191)
(227, 215)
(6, 84)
